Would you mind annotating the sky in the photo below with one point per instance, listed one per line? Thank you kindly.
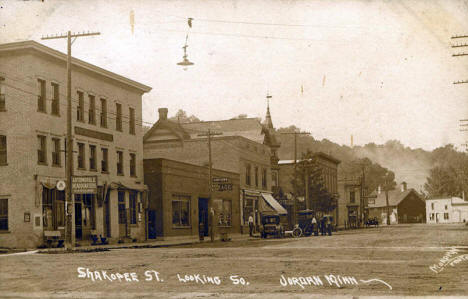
(377, 70)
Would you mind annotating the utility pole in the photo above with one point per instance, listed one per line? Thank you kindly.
(69, 211)
(386, 198)
(210, 189)
(306, 198)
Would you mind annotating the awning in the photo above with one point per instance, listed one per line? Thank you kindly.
(274, 204)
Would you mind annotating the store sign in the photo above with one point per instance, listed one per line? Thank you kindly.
(84, 184)
(221, 184)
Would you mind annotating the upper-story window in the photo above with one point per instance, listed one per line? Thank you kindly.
(119, 162)
(80, 108)
(92, 110)
(2, 95)
(92, 157)
(42, 149)
(432, 206)
(118, 117)
(446, 207)
(132, 164)
(3, 214)
(55, 107)
(264, 178)
(56, 152)
(352, 196)
(131, 127)
(248, 169)
(104, 161)
(256, 176)
(3, 150)
(41, 97)
(104, 113)
(81, 156)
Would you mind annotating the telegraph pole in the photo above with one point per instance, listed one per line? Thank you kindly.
(464, 43)
(210, 188)
(69, 211)
(386, 199)
(306, 197)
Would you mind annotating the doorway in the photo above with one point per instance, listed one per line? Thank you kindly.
(78, 221)
(122, 215)
(151, 224)
(203, 216)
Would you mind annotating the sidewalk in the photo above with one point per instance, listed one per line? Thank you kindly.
(148, 244)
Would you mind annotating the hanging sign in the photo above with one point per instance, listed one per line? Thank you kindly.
(61, 185)
(84, 184)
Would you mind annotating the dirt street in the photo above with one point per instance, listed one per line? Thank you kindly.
(383, 261)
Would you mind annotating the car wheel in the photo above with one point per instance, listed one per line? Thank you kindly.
(297, 232)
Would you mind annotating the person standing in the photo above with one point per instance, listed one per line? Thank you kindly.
(251, 225)
(314, 226)
(329, 226)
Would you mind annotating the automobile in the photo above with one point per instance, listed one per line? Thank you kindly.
(270, 225)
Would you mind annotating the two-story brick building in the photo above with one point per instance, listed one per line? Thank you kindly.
(242, 148)
(107, 133)
(349, 203)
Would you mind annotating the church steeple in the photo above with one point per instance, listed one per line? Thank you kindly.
(268, 123)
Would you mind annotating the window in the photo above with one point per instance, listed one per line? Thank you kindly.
(118, 117)
(80, 108)
(2, 95)
(4, 214)
(223, 209)
(119, 163)
(132, 164)
(105, 160)
(446, 216)
(55, 99)
(446, 207)
(122, 210)
(181, 211)
(133, 211)
(247, 174)
(131, 127)
(56, 152)
(3, 150)
(42, 150)
(264, 178)
(256, 176)
(81, 156)
(274, 178)
(352, 196)
(92, 110)
(104, 113)
(432, 206)
(41, 97)
(92, 157)
(53, 208)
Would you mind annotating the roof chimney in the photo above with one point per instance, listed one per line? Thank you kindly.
(162, 113)
(404, 186)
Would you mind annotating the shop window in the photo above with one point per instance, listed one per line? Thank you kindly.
(248, 209)
(105, 160)
(81, 156)
(92, 110)
(89, 214)
(41, 97)
(3, 150)
(133, 207)
(104, 113)
(3, 214)
(119, 163)
(42, 150)
(223, 208)
(53, 209)
(122, 210)
(80, 108)
(92, 157)
(55, 99)
(56, 161)
(118, 117)
(131, 127)
(181, 211)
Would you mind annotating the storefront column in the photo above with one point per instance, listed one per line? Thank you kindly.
(114, 213)
(99, 217)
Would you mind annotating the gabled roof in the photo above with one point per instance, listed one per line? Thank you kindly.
(35, 46)
(172, 126)
(250, 128)
(395, 197)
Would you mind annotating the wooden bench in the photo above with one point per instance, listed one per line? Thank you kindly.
(53, 237)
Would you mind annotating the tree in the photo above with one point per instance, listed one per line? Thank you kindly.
(182, 117)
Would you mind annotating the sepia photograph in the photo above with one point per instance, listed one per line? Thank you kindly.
(233, 149)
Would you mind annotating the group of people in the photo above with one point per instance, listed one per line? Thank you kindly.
(324, 226)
